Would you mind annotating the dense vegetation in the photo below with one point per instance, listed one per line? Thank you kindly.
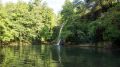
(88, 21)
(25, 22)
(91, 21)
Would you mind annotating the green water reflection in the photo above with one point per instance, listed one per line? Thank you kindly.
(57, 56)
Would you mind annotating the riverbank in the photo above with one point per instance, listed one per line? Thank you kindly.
(93, 45)
(98, 45)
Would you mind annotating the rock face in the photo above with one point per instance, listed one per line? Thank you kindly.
(62, 42)
(118, 0)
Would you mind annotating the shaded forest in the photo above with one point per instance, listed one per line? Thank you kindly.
(91, 21)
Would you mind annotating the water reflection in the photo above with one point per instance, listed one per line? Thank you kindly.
(57, 56)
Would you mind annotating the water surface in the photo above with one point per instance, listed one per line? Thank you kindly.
(57, 56)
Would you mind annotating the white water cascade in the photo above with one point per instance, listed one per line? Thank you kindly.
(59, 36)
(58, 43)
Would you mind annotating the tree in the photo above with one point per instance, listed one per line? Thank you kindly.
(26, 22)
(85, 19)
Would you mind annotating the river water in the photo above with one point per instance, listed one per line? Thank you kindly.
(58, 56)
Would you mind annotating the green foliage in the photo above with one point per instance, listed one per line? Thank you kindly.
(112, 26)
(22, 21)
(109, 23)
(86, 23)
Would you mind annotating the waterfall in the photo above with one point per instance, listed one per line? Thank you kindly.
(58, 42)
(59, 36)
